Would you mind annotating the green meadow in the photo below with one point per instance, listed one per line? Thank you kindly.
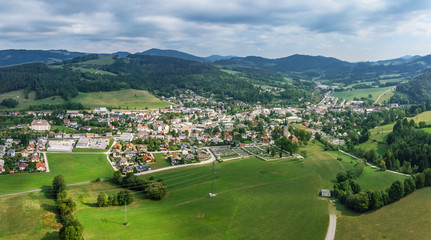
(74, 167)
(358, 93)
(255, 200)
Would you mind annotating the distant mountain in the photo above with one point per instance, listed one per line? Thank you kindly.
(14, 57)
(183, 55)
(294, 63)
(214, 58)
(172, 53)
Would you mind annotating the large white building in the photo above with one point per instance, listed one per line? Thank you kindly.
(40, 125)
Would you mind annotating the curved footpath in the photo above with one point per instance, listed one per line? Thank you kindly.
(330, 234)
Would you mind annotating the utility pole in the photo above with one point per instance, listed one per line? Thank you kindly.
(125, 216)
(212, 194)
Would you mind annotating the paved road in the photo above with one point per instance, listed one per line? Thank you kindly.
(330, 234)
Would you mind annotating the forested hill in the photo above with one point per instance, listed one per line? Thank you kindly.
(294, 63)
(160, 75)
(418, 89)
(14, 57)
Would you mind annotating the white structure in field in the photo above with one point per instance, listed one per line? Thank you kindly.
(40, 125)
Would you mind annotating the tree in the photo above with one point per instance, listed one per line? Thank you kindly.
(341, 177)
(409, 186)
(124, 198)
(396, 191)
(117, 177)
(70, 233)
(419, 180)
(427, 174)
(382, 165)
(406, 168)
(58, 184)
(155, 190)
(376, 200)
(362, 202)
(102, 200)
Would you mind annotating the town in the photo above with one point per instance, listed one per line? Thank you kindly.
(191, 130)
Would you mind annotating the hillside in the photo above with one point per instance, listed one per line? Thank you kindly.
(14, 57)
(418, 90)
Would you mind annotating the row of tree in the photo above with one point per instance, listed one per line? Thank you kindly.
(72, 228)
(155, 190)
(348, 191)
(119, 199)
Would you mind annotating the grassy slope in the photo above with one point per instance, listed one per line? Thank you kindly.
(74, 167)
(124, 98)
(361, 93)
(130, 98)
(405, 219)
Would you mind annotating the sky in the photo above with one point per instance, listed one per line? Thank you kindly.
(360, 30)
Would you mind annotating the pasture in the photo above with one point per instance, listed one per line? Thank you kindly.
(74, 167)
(358, 93)
(405, 219)
(124, 99)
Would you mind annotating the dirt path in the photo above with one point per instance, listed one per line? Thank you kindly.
(381, 95)
(330, 234)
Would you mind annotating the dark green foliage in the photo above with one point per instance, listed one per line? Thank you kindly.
(362, 202)
(407, 144)
(341, 177)
(396, 191)
(124, 197)
(58, 184)
(409, 185)
(286, 144)
(70, 233)
(376, 200)
(117, 178)
(9, 103)
(419, 180)
(427, 174)
(156, 190)
(103, 200)
(418, 89)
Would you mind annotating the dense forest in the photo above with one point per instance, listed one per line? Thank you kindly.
(418, 90)
(159, 75)
(409, 147)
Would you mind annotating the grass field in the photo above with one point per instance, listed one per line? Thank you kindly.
(93, 70)
(64, 129)
(74, 167)
(425, 116)
(24, 103)
(102, 60)
(405, 219)
(243, 209)
(129, 98)
(255, 200)
(358, 93)
(160, 161)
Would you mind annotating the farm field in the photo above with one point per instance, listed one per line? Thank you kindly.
(405, 219)
(425, 116)
(243, 209)
(74, 167)
(358, 93)
(126, 99)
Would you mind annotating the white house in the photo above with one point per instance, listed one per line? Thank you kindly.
(40, 125)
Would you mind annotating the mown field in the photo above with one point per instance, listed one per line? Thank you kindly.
(124, 99)
(358, 93)
(255, 200)
(74, 167)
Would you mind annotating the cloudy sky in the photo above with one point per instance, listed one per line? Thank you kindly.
(352, 30)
